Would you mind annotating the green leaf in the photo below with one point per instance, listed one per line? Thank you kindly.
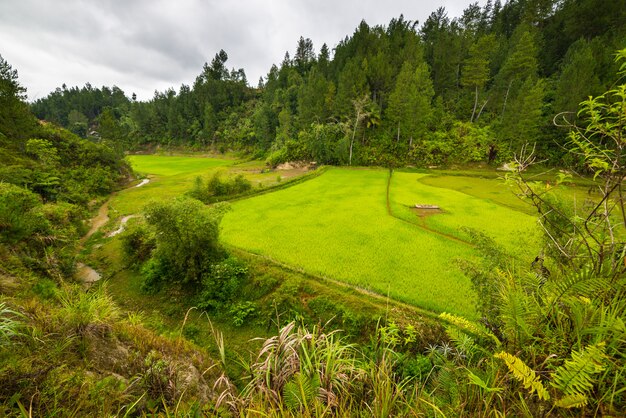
(476, 380)
(572, 401)
(524, 374)
(575, 377)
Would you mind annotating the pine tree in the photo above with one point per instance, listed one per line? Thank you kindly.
(578, 78)
(476, 67)
(410, 107)
(15, 118)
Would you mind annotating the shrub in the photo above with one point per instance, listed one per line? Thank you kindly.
(46, 289)
(221, 282)
(186, 235)
(241, 311)
(217, 186)
(18, 216)
(137, 243)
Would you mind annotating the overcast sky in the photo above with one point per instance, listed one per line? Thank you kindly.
(147, 45)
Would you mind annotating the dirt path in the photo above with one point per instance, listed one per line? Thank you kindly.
(87, 275)
(97, 222)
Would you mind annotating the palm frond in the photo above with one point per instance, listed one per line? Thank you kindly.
(301, 391)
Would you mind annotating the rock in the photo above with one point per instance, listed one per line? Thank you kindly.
(505, 167)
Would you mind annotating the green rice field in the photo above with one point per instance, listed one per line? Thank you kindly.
(168, 177)
(337, 225)
(512, 229)
(357, 225)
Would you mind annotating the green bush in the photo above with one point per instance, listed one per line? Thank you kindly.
(217, 186)
(46, 289)
(137, 243)
(277, 157)
(221, 282)
(186, 236)
(19, 218)
(241, 312)
(418, 367)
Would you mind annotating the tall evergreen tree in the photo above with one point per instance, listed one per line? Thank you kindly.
(15, 118)
(476, 67)
(410, 107)
(578, 79)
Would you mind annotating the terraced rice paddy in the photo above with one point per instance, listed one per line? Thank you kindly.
(338, 225)
(357, 225)
(170, 177)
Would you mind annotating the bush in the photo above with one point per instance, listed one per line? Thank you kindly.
(46, 289)
(186, 236)
(241, 311)
(19, 218)
(221, 282)
(137, 244)
(277, 157)
(216, 186)
(418, 367)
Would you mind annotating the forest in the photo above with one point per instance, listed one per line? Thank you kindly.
(426, 219)
(440, 92)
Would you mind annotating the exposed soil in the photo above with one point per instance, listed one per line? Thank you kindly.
(84, 273)
(423, 213)
(97, 222)
(87, 275)
(290, 165)
(292, 172)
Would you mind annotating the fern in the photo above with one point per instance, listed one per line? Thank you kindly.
(476, 380)
(572, 401)
(300, 391)
(469, 326)
(524, 374)
(583, 283)
(575, 377)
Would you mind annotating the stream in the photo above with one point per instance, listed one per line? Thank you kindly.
(143, 182)
(85, 274)
(122, 225)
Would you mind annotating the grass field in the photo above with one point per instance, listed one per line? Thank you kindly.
(160, 165)
(172, 176)
(169, 177)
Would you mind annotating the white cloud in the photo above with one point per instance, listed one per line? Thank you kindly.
(143, 45)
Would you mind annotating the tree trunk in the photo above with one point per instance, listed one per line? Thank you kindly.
(506, 96)
(398, 137)
(475, 104)
(356, 123)
(481, 108)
